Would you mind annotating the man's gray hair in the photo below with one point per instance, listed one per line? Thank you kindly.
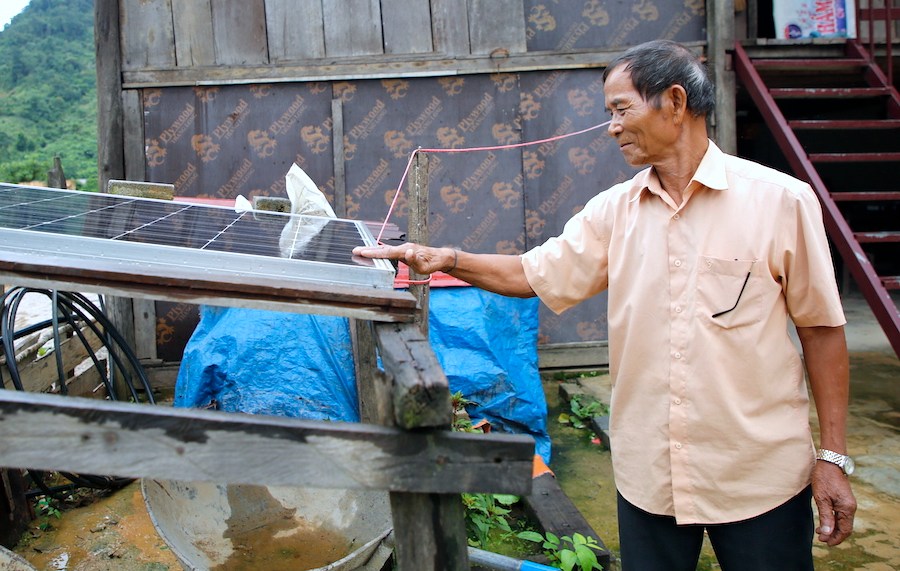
(657, 65)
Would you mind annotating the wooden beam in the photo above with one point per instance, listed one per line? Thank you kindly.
(49, 432)
(421, 391)
(353, 68)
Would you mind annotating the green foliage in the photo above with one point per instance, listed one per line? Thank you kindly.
(48, 101)
(582, 409)
(486, 514)
(46, 509)
(567, 553)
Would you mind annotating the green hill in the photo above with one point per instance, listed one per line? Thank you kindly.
(48, 101)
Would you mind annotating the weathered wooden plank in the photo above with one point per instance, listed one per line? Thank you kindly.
(239, 32)
(110, 132)
(590, 355)
(295, 29)
(180, 284)
(373, 387)
(16, 512)
(497, 27)
(193, 33)
(37, 376)
(144, 328)
(433, 535)
(421, 391)
(51, 432)
(417, 191)
(554, 512)
(337, 142)
(370, 68)
(352, 27)
(133, 145)
(407, 26)
(450, 27)
(148, 34)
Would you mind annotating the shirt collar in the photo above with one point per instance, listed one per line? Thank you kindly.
(710, 173)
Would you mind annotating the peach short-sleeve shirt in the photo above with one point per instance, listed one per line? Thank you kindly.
(709, 419)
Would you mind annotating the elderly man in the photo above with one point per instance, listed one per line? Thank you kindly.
(705, 257)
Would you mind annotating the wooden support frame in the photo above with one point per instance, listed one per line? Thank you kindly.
(51, 432)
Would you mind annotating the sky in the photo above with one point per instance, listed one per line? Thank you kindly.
(10, 8)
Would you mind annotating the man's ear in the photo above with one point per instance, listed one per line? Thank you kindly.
(678, 102)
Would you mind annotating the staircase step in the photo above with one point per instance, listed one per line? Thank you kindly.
(814, 65)
(864, 196)
(877, 237)
(854, 157)
(841, 124)
(890, 282)
(829, 92)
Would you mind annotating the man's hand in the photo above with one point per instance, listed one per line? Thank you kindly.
(421, 259)
(499, 273)
(835, 502)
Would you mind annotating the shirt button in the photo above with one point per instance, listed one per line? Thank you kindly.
(678, 309)
(677, 216)
(677, 401)
(678, 445)
(677, 263)
(677, 355)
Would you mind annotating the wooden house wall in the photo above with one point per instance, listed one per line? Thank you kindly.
(225, 96)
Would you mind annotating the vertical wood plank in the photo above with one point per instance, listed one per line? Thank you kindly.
(149, 37)
(110, 130)
(450, 27)
(352, 27)
(418, 232)
(295, 29)
(133, 145)
(193, 33)
(720, 23)
(337, 141)
(239, 32)
(497, 25)
(373, 387)
(407, 26)
(431, 534)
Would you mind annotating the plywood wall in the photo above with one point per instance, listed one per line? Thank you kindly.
(228, 95)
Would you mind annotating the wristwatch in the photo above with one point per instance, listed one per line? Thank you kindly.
(846, 463)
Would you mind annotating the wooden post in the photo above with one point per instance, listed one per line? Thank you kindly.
(418, 231)
(15, 509)
(429, 529)
(56, 178)
(720, 23)
(110, 113)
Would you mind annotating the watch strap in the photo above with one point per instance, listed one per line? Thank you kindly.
(833, 457)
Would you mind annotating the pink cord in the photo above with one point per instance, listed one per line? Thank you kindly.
(412, 156)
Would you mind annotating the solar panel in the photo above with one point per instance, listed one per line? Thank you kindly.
(153, 237)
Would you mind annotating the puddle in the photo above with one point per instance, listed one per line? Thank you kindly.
(114, 532)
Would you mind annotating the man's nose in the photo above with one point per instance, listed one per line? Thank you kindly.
(614, 127)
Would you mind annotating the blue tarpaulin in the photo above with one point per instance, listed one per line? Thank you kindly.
(296, 365)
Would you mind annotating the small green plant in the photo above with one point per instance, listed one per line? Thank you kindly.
(582, 409)
(567, 553)
(461, 421)
(45, 510)
(486, 514)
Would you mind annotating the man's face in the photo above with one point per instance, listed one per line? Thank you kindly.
(646, 135)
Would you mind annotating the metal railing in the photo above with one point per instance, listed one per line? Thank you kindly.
(874, 25)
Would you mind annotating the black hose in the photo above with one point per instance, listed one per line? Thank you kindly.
(77, 311)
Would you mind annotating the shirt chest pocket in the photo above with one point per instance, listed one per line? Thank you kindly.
(729, 292)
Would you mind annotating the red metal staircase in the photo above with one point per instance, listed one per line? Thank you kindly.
(836, 118)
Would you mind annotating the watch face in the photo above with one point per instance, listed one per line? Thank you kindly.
(849, 466)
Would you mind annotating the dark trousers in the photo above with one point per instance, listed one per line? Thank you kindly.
(778, 540)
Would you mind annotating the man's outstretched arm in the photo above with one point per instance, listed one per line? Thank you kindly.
(499, 273)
